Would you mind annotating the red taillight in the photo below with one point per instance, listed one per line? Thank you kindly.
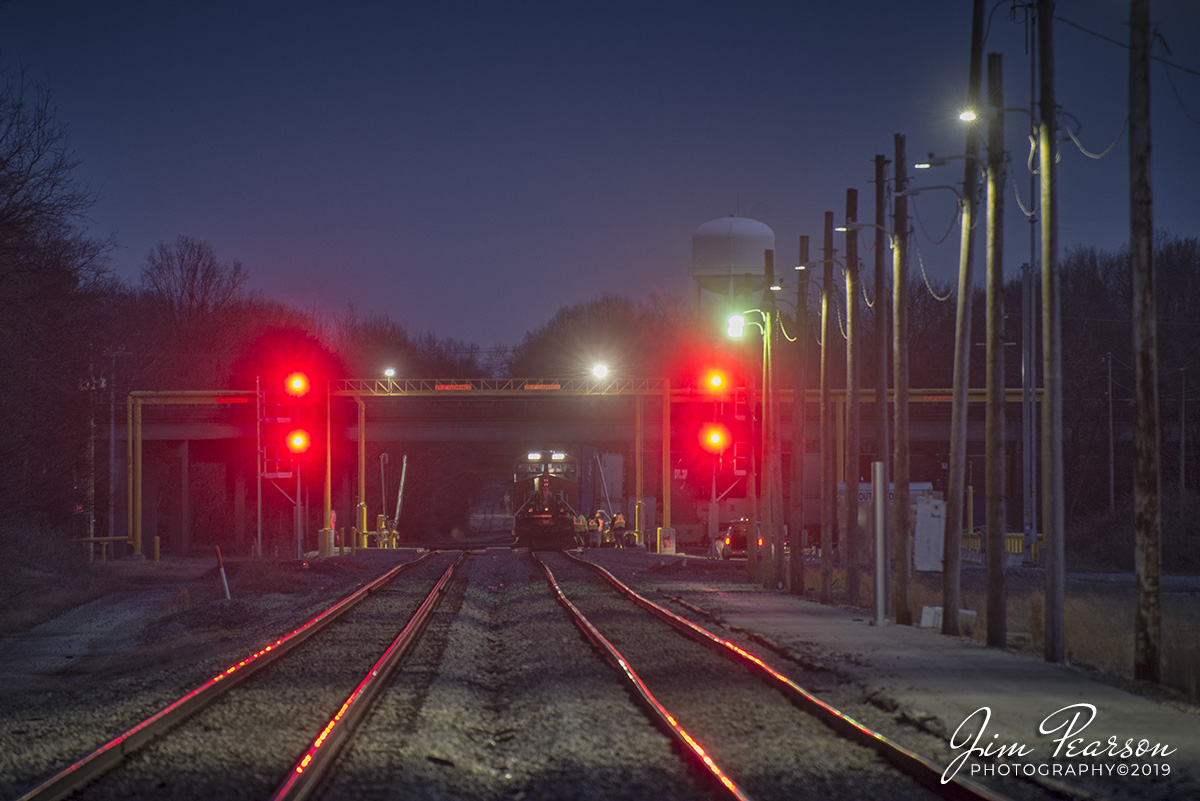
(729, 540)
(760, 542)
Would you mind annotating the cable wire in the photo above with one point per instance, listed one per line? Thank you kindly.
(920, 222)
(1171, 81)
(1107, 150)
(1125, 45)
(1017, 195)
(837, 307)
(870, 303)
(925, 275)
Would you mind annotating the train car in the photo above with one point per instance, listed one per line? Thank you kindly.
(545, 499)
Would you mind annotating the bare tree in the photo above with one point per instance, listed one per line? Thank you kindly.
(191, 282)
(50, 271)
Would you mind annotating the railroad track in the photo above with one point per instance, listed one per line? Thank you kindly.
(743, 750)
(495, 695)
(285, 700)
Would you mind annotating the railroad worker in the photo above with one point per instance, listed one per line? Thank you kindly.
(593, 529)
(619, 533)
(581, 528)
(603, 526)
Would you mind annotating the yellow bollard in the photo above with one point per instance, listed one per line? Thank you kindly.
(970, 509)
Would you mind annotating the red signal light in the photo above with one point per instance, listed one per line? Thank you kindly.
(714, 437)
(714, 380)
(298, 441)
(297, 384)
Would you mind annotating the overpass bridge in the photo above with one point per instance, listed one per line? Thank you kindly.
(166, 432)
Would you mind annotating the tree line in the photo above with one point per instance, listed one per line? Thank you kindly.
(75, 340)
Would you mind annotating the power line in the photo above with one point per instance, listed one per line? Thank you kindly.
(1125, 45)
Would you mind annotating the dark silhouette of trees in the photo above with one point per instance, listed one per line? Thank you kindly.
(51, 274)
(376, 343)
(189, 284)
(649, 338)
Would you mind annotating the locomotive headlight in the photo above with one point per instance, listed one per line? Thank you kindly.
(558, 457)
(534, 457)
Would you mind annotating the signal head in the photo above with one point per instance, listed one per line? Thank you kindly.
(298, 441)
(297, 384)
(714, 437)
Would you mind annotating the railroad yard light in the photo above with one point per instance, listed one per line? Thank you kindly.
(600, 370)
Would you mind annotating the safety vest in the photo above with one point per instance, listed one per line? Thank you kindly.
(593, 524)
(619, 521)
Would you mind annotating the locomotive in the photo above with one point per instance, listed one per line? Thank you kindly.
(545, 497)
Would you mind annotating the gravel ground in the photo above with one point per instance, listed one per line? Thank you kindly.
(504, 698)
(243, 745)
(81, 678)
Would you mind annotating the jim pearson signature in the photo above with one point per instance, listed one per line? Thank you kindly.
(1071, 721)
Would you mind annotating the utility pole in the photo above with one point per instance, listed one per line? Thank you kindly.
(901, 523)
(997, 629)
(1053, 512)
(1112, 460)
(853, 389)
(1028, 405)
(770, 439)
(799, 392)
(828, 462)
(752, 494)
(882, 347)
(779, 569)
(952, 543)
(1147, 480)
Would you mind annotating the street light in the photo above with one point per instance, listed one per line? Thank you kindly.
(600, 370)
(736, 329)
(935, 161)
(916, 190)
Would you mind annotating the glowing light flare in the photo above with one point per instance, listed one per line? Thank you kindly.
(714, 380)
(714, 437)
(600, 370)
(968, 115)
(298, 441)
(737, 326)
(297, 384)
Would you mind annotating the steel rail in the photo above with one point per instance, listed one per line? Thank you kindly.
(86, 769)
(317, 761)
(649, 702)
(924, 771)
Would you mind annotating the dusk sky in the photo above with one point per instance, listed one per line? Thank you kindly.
(468, 168)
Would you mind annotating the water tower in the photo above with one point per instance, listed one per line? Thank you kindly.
(727, 256)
